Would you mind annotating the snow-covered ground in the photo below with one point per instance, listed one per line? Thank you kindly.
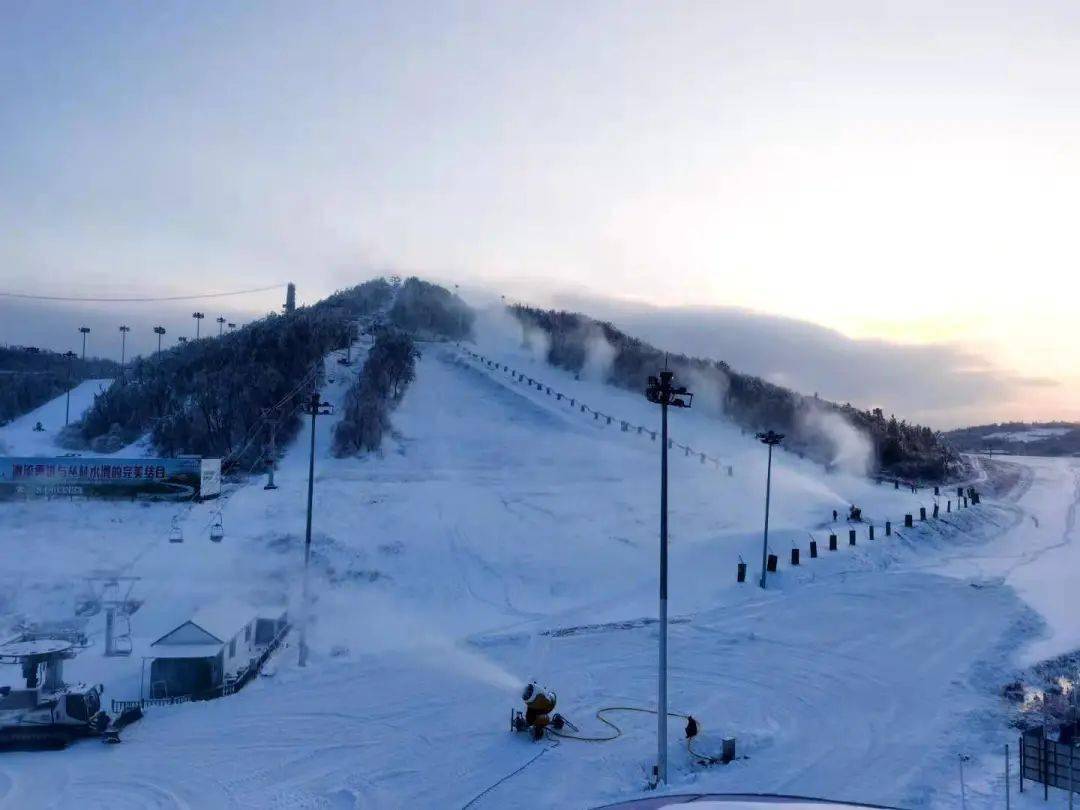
(502, 535)
(18, 437)
(1028, 435)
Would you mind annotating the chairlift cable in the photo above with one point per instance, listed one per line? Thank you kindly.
(139, 299)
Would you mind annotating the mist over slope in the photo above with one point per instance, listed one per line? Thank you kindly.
(835, 435)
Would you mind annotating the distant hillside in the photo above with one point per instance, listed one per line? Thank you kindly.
(30, 377)
(209, 397)
(1019, 438)
(817, 428)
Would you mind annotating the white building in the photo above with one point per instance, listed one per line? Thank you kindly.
(211, 649)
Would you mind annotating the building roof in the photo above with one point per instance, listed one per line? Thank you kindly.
(218, 621)
(225, 618)
(184, 651)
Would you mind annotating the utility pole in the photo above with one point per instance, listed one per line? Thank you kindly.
(220, 325)
(70, 355)
(198, 316)
(315, 407)
(123, 346)
(85, 331)
(771, 439)
(159, 331)
(661, 392)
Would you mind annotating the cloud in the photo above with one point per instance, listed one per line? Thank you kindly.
(942, 385)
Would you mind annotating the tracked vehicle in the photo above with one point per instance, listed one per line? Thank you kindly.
(47, 713)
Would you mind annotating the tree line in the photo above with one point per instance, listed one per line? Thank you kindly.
(901, 449)
(209, 397)
(389, 368)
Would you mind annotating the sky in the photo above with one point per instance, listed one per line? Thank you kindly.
(897, 180)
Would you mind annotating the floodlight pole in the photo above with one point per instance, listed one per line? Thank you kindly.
(661, 392)
(70, 355)
(159, 331)
(770, 439)
(85, 331)
(315, 407)
(198, 316)
(123, 347)
(220, 325)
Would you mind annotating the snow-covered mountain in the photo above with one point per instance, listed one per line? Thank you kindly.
(502, 534)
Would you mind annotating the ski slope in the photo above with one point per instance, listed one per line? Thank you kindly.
(501, 536)
(18, 437)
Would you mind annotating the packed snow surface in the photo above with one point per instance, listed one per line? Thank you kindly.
(503, 535)
(18, 437)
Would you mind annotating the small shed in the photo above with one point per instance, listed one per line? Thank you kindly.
(212, 648)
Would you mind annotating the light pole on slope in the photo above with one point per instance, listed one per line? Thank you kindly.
(771, 439)
(661, 392)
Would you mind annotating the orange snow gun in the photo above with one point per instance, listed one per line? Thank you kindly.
(539, 705)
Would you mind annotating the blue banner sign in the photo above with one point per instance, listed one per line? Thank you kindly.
(76, 475)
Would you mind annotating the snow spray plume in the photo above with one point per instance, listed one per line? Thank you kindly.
(599, 356)
(851, 449)
(405, 633)
(709, 389)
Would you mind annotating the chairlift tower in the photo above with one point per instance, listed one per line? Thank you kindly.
(272, 418)
(661, 392)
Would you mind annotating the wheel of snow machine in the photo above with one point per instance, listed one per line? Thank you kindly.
(517, 721)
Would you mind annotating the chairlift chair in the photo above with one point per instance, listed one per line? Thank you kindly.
(217, 531)
(176, 534)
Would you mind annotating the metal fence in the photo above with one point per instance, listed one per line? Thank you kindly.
(1048, 762)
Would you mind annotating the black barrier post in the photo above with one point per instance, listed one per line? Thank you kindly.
(922, 513)
(770, 564)
(851, 537)
(832, 542)
(794, 556)
(937, 509)
(813, 549)
(888, 528)
(908, 522)
(871, 531)
(740, 576)
(948, 506)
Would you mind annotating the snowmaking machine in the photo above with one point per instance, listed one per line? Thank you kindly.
(539, 705)
(49, 713)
